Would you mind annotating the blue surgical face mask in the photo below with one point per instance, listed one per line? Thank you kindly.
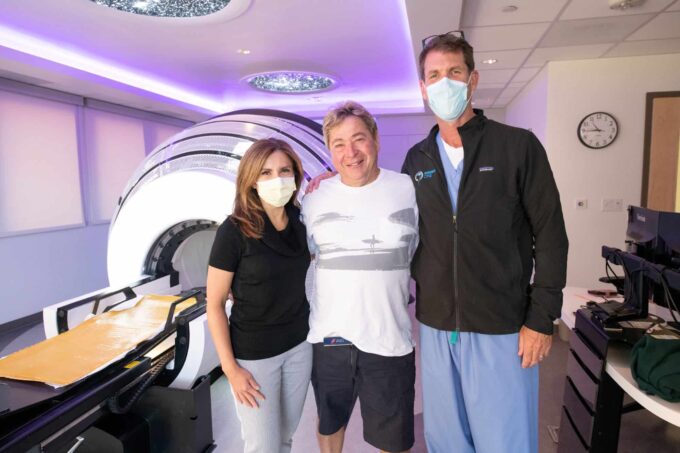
(448, 98)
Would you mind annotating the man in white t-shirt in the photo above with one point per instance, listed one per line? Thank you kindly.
(362, 225)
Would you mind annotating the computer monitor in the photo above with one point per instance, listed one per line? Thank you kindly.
(655, 237)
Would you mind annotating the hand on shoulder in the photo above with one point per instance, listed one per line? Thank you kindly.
(316, 181)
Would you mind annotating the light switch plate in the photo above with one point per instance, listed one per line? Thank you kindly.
(612, 204)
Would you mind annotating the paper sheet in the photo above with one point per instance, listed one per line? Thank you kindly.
(92, 345)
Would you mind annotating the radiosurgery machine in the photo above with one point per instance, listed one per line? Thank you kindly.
(156, 397)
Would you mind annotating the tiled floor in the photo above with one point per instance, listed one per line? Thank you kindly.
(641, 432)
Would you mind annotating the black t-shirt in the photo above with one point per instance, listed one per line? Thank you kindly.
(271, 311)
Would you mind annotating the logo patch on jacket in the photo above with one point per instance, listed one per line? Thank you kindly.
(482, 169)
(427, 174)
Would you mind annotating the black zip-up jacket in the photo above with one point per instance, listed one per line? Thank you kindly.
(473, 270)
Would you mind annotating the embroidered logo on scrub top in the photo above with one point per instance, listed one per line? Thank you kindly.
(481, 169)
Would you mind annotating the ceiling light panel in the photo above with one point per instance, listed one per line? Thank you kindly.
(651, 47)
(592, 31)
(166, 8)
(484, 39)
(481, 13)
(584, 9)
(291, 82)
(663, 26)
(542, 55)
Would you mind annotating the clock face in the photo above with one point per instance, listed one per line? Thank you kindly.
(597, 130)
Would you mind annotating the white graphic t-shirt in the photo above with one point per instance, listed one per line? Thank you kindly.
(363, 239)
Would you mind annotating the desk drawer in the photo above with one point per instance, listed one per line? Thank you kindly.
(584, 384)
(569, 441)
(581, 416)
(583, 350)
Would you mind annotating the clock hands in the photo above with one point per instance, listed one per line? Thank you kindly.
(597, 130)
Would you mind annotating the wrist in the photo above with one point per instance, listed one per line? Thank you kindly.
(230, 368)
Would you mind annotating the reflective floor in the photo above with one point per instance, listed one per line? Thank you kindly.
(228, 438)
(640, 431)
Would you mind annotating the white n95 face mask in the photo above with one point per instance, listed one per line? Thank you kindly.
(448, 98)
(277, 191)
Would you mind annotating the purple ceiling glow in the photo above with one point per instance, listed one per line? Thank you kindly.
(27, 44)
(194, 62)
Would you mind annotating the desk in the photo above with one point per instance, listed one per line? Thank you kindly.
(597, 421)
(618, 357)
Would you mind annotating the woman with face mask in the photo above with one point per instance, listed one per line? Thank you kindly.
(260, 254)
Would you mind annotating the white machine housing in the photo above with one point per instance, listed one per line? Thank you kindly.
(166, 217)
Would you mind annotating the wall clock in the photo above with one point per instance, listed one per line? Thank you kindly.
(597, 130)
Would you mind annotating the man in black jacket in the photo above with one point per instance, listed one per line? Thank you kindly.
(490, 215)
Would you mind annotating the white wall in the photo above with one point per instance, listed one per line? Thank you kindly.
(575, 89)
(54, 162)
(39, 173)
(529, 110)
(41, 269)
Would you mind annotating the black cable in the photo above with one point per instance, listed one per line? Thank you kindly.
(672, 307)
(627, 275)
(607, 269)
(114, 402)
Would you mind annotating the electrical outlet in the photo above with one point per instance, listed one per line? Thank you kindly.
(612, 204)
(581, 203)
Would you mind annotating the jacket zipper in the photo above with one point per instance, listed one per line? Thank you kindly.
(454, 337)
(454, 334)
(455, 270)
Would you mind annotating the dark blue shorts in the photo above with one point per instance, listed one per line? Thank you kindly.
(384, 385)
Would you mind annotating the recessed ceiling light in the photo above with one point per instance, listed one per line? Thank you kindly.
(509, 9)
(290, 82)
(166, 8)
(243, 51)
(490, 61)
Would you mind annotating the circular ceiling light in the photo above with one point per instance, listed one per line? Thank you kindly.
(291, 82)
(490, 61)
(167, 8)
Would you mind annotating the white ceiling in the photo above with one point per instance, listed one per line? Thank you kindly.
(549, 30)
(190, 68)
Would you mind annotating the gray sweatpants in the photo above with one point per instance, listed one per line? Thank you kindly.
(283, 381)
